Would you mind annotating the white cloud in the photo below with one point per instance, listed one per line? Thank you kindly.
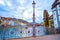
(9, 4)
(22, 9)
(2, 2)
(27, 14)
(22, 1)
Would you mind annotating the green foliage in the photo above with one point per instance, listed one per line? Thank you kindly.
(0, 21)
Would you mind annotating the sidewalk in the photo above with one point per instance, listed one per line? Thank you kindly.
(47, 37)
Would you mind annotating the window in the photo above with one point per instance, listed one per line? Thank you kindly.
(54, 12)
(54, 9)
(59, 18)
(12, 32)
(54, 18)
(58, 6)
(38, 31)
(59, 12)
(55, 15)
(26, 27)
(20, 31)
(28, 31)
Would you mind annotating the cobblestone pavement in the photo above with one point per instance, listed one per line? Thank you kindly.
(47, 37)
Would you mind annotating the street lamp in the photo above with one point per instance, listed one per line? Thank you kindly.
(33, 17)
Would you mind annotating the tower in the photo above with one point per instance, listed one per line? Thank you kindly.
(33, 11)
(33, 17)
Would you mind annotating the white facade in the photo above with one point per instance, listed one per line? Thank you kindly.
(27, 32)
(24, 32)
(11, 22)
(56, 16)
(39, 31)
(9, 33)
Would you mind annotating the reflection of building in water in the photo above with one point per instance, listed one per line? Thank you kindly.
(18, 28)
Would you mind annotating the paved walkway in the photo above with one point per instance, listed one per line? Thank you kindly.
(48, 37)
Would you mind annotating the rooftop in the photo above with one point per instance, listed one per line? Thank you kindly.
(55, 3)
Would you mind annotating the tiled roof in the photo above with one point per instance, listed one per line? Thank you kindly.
(23, 21)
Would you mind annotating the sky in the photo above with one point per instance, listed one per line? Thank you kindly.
(22, 9)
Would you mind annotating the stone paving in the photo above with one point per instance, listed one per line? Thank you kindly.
(47, 37)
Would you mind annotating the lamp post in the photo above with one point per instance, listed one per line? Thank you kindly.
(33, 17)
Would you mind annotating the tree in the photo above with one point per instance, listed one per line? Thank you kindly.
(46, 18)
(0, 21)
(46, 21)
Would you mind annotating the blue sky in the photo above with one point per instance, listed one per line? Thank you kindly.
(22, 9)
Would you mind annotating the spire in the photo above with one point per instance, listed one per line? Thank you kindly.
(33, 2)
(33, 11)
(33, 17)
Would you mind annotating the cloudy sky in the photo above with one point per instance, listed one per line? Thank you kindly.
(22, 9)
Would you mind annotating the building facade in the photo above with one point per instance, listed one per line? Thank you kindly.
(56, 13)
(17, 28)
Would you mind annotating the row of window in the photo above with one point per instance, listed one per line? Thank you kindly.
(56, 12)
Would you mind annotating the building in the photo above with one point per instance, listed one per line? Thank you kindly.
(56, 13)
(18, 28)
(11, 27)
(40, 31)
